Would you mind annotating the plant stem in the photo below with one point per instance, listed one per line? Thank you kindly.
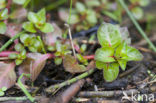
(43, 49)
(68, 82)
(7, 53)
(71, 3)
(13, 98)
(137, 25)
(55, 4)
(24, 89)
(89, 57)
(10, 41)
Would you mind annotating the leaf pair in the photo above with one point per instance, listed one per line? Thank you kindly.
(125, 53)
(32, 42)
(115, 50)
(37, 20)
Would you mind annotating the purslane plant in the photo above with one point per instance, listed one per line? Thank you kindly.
(115, 50)
(37, 21)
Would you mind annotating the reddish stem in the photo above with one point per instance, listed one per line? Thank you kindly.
(9, 5)
(6, 53)
(89, 57)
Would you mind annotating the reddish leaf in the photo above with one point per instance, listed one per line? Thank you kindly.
(19, 14)
(51, 37)
(7, 74)
(13, 29)
(63, 14)
(33, 65)
(70, 64)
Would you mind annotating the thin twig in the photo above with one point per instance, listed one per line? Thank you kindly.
(91, 67)
(129, 71)
(13, 98)
(71, 40)
(137, 25)
(70, 92)
(87, 94)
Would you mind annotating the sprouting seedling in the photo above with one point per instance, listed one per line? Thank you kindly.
(115, 50)
(37, 21)
(19, 57)
(2, 91)
(33, 43)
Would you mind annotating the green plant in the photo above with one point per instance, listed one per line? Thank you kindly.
(2, 90)
(37, 21)
(115, 50)
(19, 57)
(3, 16)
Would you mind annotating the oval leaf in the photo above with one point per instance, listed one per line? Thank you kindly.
(109, 35)
(51, 37)
(126, 52)
(33, 65)
(7, 74)
(111, 71)
(105, 54)
(70, 64)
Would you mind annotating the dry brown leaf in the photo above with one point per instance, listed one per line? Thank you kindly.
(71, 65)
(51, 37)
(33, 65)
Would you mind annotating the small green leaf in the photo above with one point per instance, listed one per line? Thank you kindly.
(105, 54)
(32, 49)
(28, 26)
(33, 17)
(20, 2)
(100, 65)
(58, 61)
(4, 89)
(1, 93)
(137, 12)
(3, 27)
(23, 54)
(13, 56)
(37, 44)
(82, 59)
(122, 63)
(83, 48)
(111, 71)
(58, 46)
(80, 7)
(47, 27)
(91, 17)
(19, 47)
(18, 61)
(144, 2)
(41, 16)
(109, 35)
(128, 53)
(51, 48)
(4, 14)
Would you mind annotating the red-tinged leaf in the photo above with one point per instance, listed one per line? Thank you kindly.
(13, 29)
(33, 65)
(7, 74)
(51, 37)
(19, 14)
(71, 65)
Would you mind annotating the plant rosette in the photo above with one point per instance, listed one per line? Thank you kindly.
(115, 51)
